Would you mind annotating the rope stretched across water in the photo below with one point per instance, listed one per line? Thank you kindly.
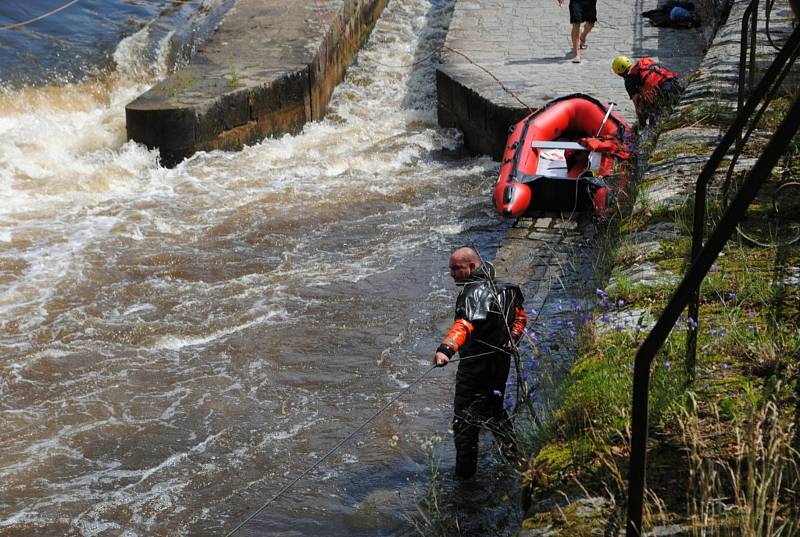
(513, 352)
(38, 18)
(333, 450)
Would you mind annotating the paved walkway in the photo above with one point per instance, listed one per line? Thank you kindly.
(526, 44)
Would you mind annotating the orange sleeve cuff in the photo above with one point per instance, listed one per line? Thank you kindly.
(520, 320)
(458, 335)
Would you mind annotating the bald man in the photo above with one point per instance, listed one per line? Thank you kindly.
(489, 320)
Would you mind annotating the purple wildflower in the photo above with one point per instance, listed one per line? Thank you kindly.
(497, 393)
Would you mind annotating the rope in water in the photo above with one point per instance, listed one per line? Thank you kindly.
(514, 352)
(333, 450)
(40, 17)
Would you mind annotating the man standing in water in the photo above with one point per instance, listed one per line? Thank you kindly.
(489, 320)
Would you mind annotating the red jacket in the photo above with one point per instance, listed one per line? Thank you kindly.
(645, 79)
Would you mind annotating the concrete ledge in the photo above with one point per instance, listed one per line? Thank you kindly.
(269, 68)
(484, 123)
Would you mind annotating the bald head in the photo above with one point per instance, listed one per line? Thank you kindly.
(463, 262)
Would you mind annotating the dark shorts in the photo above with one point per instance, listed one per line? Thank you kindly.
(582, 11)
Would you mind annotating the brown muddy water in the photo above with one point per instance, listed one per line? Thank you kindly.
(178, 344)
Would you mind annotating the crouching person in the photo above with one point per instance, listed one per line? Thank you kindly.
(652, 87)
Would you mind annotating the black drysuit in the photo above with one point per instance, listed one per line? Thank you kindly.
(494, 311)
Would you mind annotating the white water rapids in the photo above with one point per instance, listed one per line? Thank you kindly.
(177, 344)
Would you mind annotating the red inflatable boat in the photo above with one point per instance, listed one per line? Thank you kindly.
(566, 156)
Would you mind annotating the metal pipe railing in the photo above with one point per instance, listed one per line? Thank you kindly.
(748, 36)
(785, 57)
(697, 271)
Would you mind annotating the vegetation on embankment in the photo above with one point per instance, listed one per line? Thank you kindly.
(722, 456)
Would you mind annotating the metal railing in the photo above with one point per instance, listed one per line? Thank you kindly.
(765, 91)
(748, 41)
(703, 255)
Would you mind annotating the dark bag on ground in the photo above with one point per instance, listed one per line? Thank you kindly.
(673, 14)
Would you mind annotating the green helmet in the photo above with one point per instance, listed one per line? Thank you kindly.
(621, 64)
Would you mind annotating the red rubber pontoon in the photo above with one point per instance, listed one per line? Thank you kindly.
(563, 157)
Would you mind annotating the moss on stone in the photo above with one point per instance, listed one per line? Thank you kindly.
(675, 150)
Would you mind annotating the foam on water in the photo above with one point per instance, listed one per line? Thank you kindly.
(174, 343)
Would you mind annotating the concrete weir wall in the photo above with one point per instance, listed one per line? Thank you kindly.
(269, 68)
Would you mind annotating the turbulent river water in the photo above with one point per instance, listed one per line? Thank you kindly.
(176, 345)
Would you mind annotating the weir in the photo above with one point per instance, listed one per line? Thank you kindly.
(269, 68)
(149, 309)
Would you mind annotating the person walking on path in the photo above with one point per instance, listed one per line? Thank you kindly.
(652, 87)
(585, 12)
(489, 320)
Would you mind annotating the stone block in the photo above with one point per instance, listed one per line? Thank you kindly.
(566, 224)
(253, 78)
(516, 233)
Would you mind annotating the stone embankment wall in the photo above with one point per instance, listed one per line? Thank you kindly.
(706, 108)
(269, 68)
(685, 141)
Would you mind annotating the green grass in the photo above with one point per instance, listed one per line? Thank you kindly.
(180, 82)
(233, 81)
